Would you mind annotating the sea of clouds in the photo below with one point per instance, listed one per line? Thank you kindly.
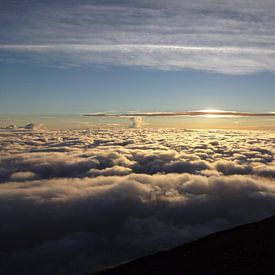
(77, 201)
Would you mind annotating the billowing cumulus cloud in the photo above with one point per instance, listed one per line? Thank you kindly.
(233, 37)
(137, 122)
(77, 201)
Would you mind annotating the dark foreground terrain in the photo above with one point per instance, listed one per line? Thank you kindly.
(248, 249)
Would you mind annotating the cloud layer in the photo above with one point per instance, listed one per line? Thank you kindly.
(77, 201)
(234, 38)
(200, 113)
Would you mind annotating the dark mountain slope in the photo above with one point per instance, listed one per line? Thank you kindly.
(247, 249)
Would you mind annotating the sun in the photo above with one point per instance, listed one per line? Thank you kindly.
(213, 113)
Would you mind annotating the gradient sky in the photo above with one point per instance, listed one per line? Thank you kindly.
(87, 56)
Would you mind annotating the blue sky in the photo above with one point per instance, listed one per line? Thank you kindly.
(32, 89)
(85, 56)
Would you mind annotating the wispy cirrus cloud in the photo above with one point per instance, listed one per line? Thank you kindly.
(233, 38)
(207, 113)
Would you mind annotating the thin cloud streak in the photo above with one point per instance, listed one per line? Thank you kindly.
(190, 113)
(132, 47)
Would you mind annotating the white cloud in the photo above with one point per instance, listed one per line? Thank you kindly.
(234, 38)
(22, 176)
(67, 197)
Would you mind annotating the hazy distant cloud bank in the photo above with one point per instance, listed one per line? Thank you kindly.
(233, 37)
(77, 201)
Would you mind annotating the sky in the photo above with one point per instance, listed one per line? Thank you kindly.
(71, 57)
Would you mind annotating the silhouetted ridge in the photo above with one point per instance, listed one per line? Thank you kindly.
(247, 249)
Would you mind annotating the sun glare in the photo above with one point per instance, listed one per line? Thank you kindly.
(213, 113)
